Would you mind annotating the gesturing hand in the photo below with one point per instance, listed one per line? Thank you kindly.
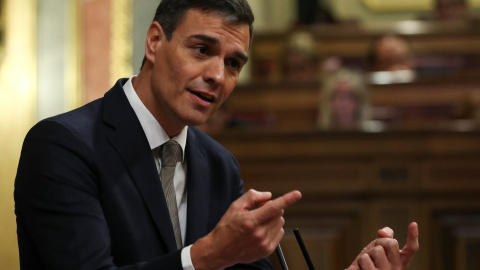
(244, 234)
(384, 254)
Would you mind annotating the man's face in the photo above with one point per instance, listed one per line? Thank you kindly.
(198, 68)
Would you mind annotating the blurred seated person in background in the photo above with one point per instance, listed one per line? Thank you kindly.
(456, 11)
(344, 101)
(299, 60)
(451, 10)
(390, 52)
(314, 12)
(390, 59)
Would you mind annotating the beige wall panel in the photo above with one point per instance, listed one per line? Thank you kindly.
(17, 113)
(95, 24)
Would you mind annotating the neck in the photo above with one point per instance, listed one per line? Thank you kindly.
(143, 87)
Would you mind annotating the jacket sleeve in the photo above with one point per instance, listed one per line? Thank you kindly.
(264, 263)
(60, 222)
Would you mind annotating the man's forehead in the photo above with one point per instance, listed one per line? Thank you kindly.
(198, 23)
(228, 19)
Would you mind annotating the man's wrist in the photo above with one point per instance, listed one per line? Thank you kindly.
(203, 256)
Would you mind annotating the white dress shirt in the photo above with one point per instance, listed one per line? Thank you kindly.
(157, 136)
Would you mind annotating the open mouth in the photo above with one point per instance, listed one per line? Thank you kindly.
(202, 96)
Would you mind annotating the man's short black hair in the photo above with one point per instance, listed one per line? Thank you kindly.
(170, 13)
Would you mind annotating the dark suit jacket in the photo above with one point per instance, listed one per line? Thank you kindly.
(88, 196)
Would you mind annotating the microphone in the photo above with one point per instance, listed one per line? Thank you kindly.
(283, 263)
(303, 248)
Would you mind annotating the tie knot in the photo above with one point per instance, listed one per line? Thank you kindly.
(171, 153)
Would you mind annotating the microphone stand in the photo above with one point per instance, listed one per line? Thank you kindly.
(281, 257)
(304, 249)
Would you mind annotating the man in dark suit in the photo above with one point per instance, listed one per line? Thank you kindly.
(89, 188)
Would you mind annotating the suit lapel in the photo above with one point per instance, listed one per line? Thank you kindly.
(132, 145)
(198, 183)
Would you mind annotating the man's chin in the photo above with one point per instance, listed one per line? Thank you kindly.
(196, 121)
(196, 117)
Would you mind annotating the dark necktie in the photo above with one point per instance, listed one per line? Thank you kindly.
(171, 153)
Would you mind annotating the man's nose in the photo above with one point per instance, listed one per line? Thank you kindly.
(215, 71)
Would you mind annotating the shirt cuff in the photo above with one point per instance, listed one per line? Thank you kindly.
(187, 259)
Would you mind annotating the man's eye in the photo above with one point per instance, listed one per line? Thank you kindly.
(234, 63)
(202, 49)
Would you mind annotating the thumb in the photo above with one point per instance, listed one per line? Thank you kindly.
(412, 246)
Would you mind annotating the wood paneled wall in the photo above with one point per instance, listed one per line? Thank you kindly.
(355, 183)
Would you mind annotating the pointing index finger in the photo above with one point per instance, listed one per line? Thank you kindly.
(275, 207)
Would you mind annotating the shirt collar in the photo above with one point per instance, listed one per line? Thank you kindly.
(156, 135)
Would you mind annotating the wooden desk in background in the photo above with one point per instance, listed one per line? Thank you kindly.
(352, 43)
(355, 183)
(423, 103)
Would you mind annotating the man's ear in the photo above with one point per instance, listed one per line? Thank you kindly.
(155, 37)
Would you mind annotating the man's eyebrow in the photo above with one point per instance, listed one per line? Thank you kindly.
(206, 38)
(242, 56)
(216, 41)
